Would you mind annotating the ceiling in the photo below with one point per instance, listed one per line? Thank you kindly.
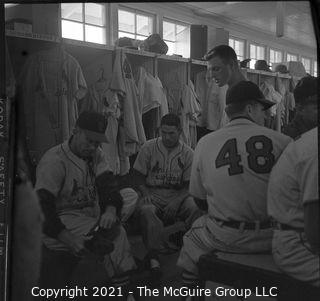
(297, 20)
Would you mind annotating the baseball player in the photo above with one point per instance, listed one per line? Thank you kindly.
(293, 202)
(163, 166)
(305, 96)
(223, 66)
(72, 185)
(230, 171)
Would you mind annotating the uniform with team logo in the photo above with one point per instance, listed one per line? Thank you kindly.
(293, 183)
(71, 180)
(230, 170)
(165, 172)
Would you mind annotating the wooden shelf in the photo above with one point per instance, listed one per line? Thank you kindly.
(33, 36)
(172, 58)
(198, 62)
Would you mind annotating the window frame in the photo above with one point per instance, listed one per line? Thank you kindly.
(275, 50)
(135, 12)
(292, 54)
(84, 23)
(176, 22)
(310, 64)
(243, 48)
(257, 45)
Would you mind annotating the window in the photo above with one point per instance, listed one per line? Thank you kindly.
(134, 24)
(256, 53)
(315, 68)
(275, 56)
(292, 57)
(177, 37)
(307, 64)
(238, 47)
(84, 22)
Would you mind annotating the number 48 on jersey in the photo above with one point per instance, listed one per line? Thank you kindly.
(260, 157)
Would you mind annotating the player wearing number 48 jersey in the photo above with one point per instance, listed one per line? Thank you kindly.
(230, 171)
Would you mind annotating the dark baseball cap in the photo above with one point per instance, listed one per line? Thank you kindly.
(93, 124)
(306, 90)
(246, 91)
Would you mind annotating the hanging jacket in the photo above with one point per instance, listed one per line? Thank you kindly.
(51, 85)
(123, 83)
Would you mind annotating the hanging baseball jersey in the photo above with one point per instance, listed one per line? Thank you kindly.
(231, 168)
(161, 168)
(294, 180)
(189, 114)
(51, 85)
(104, 101)
(123, 83)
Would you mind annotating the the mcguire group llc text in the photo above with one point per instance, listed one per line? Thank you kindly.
(144, 291)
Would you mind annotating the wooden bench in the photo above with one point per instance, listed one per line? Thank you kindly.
(251, 271)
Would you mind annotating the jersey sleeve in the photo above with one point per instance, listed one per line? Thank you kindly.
(187, 171)
(309, 185)
(142, 160)
(50, 174)
(196, 187)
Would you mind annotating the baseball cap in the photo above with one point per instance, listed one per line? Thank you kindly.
(93, 124)
(245, 91)
(306, 90)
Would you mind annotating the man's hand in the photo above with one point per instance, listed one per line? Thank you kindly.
(109, 218)
(170, 211)
(74, 242)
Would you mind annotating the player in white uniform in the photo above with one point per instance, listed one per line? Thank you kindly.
(163, 166)
(293, 202)
(230, 171)
(72, 185)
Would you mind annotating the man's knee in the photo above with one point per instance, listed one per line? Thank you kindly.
(129, 198)
(148, 210)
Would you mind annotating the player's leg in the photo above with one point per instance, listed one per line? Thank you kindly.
(189, 211)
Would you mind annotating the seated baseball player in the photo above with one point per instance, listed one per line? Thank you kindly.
(293, 202)
(73, 187)
(306, 101)
(163, 166)
(230, 171)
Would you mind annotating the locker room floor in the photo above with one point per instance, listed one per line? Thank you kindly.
(170, 272)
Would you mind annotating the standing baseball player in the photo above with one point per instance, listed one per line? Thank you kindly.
(230, 171)
(305, 96)
(163, 166)
(293, 202)
(223, 66)
(72, 185)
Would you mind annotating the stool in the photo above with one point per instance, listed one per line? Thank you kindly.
(254, 271)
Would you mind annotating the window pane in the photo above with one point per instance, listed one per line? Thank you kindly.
(171, 47)
(71, 11)
(144, 25)
(260, 53)
(183, 41)
(292, 57)
(126, 21)
(252, 51)
(72, 30)
(141, 38)
(125, 34)
(168, 31)
(315, 68)
(231, 43)
(95, 14)
(180, 28)
(95, 34)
